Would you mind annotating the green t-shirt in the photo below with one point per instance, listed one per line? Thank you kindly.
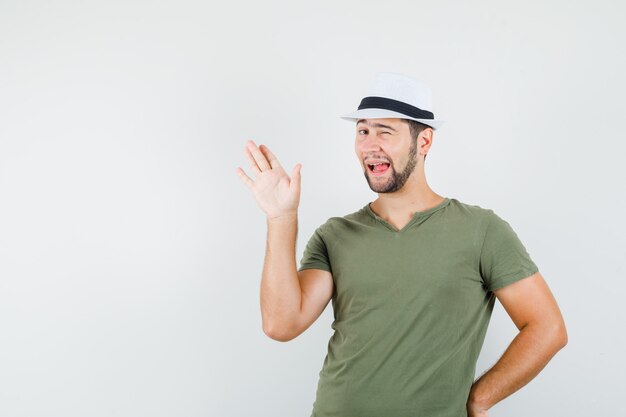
(411, 307)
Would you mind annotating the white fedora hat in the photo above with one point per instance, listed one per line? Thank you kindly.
(394, 95)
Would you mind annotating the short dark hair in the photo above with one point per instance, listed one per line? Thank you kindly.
(416, 128)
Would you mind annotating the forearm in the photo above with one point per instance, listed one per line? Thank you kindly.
(525, 357)
(280, 288)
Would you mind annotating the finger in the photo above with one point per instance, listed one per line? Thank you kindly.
(270, 156)
(244, 178)
(258, 156)
(253, 164)
(296, 178)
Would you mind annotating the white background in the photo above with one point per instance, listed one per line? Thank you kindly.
(131, 253)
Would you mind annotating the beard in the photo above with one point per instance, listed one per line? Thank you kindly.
(395, 180)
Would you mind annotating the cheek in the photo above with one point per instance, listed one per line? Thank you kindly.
(358, 153)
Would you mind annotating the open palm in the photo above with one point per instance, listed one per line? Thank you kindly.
(275, 192)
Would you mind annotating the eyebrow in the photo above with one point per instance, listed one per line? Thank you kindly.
(376, 125)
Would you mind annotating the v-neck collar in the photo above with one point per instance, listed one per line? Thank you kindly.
(416, 217)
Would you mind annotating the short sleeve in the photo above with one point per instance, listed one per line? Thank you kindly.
(315, 254)
(503, 258)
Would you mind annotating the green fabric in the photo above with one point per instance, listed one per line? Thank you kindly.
(411, 307)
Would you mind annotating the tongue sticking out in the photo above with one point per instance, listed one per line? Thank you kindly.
(381, 167)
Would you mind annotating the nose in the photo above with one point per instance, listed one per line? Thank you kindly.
(369, 143)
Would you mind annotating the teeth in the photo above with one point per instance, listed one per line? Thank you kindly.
(373, 166)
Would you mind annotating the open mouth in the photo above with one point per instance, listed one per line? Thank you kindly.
(378, 168)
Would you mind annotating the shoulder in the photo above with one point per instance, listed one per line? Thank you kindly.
(471, 213)
(471, 209)
(350, 221)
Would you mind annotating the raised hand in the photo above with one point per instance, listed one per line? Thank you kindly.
(276, 193)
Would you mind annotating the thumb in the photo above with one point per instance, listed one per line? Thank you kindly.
(295, 178)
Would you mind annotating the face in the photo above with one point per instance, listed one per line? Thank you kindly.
(388, 141)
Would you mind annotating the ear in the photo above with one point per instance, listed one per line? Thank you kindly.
(425, 140)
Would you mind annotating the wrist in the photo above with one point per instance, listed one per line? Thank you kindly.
(476, 401)
(282, 218)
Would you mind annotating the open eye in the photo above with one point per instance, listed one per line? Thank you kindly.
(361, 131)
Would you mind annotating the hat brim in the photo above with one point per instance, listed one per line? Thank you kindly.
(388, 114)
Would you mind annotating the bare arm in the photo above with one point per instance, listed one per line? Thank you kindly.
(290, 300)
(281, 295)
(536, 314)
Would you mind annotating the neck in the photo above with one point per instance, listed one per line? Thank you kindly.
(416, 195)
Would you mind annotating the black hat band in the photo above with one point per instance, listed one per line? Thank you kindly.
(395, 105)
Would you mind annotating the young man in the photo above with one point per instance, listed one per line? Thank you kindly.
(413, 277)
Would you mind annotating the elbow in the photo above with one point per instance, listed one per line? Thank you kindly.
(280, 334)
(561, 333)
(558, 334)
(563, 339)
(553, 334)
(280, 338)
